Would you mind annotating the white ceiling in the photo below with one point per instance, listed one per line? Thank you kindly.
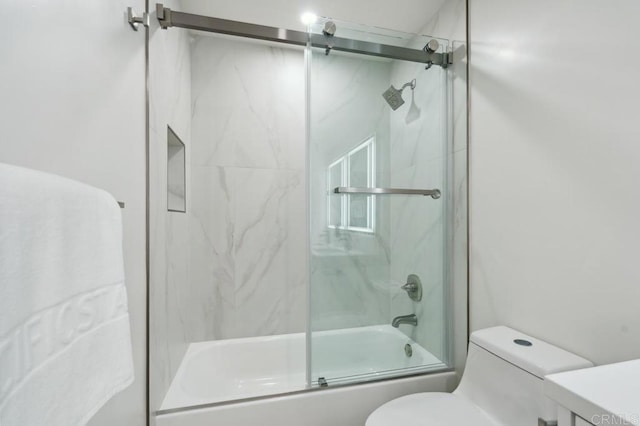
(402, 15)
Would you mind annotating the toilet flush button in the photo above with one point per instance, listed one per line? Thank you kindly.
(522, 342)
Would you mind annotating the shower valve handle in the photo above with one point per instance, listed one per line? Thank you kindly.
(413, 287)
(409, 287)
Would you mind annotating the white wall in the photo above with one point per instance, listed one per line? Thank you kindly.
(72, 85)
(554, 175)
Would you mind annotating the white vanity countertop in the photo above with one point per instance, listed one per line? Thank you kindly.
(612, 390)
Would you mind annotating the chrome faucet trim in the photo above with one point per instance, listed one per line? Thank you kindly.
(411, 319)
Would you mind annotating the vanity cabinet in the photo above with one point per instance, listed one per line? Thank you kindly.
(567, 418)
(601, 396)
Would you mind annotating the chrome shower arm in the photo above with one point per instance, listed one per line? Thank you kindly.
(411, 84)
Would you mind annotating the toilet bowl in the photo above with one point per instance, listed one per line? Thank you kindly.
(501, 386)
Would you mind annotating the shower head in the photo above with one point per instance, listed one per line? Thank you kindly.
(393, 96)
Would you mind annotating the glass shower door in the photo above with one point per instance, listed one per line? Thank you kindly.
(377, 166)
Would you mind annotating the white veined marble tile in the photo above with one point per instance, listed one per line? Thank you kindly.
(248, 104)
(268, 248)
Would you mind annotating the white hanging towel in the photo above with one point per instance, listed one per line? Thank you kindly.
(65, 343)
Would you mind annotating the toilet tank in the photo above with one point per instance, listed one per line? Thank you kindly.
(505, 371)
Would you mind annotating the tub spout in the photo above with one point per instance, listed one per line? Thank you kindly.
(411, 319)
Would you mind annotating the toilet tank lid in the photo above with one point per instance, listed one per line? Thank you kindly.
(538, 358)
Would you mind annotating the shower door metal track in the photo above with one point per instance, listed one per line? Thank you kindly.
(171, 18)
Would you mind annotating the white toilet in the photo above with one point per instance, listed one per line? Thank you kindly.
(501, 385)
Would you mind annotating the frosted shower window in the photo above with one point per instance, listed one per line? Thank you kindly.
(356, 169)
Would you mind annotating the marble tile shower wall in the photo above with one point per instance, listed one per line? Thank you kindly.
(248, 224)
(450, 22)
(171, 296)
(349, 270)
(427, 153)
(418, 160)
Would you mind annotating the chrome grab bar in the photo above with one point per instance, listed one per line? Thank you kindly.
(433, 193)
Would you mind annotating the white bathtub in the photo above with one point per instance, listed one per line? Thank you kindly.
(234, 369)
(365, 353)
(231, 369)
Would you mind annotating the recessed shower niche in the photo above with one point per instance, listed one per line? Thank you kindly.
(176, 173)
